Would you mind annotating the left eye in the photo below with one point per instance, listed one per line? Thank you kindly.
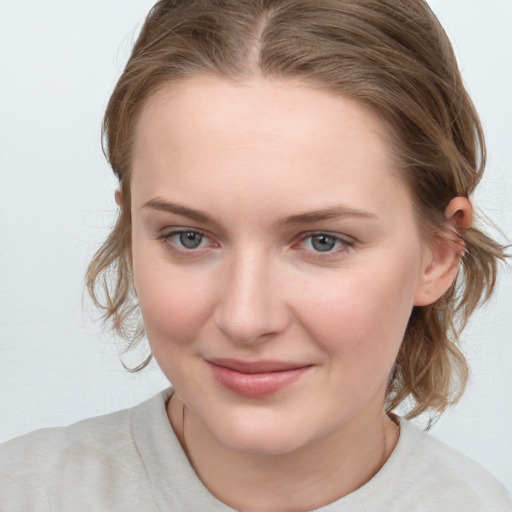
(324, 242)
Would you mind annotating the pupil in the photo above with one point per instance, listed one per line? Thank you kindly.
(323, 243)
(190, 240)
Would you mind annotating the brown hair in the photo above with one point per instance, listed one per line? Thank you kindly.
(390, 55)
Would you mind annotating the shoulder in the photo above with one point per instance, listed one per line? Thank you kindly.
(442, 477)
(50, 447)
(73, 463)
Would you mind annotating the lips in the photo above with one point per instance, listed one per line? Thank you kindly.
(256, 379)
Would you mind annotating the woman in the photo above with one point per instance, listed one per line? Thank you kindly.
(294, 183)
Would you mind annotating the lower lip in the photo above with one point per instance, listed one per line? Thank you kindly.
(256, 385)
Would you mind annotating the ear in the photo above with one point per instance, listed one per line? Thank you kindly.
(120, 202)
(119, 198)
(444, 253)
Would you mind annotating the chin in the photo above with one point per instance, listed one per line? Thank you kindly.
(260, 438)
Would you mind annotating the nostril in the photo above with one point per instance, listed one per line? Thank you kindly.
(250, 308)
(249, 322)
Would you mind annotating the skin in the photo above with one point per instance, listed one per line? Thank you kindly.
(249, 155)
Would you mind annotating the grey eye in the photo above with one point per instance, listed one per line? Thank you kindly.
(323, 243)
(190, 239)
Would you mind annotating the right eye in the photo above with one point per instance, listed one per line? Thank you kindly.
(185, 240)
(189, 239)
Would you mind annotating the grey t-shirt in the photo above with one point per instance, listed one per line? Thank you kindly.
(131, 461)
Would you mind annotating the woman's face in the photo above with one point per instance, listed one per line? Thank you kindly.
(276, 257)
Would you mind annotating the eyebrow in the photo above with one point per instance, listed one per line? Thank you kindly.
(178, 209)
(311, 217)
(326, 214)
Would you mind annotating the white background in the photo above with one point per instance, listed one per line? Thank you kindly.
(59, 61)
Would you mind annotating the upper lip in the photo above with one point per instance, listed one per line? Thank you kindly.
(264, 366)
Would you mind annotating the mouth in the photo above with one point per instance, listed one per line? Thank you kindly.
(256, 379)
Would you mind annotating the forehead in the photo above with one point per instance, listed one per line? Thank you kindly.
(254, 111)
(282, 138)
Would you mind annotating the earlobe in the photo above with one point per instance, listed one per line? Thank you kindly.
(444, 254)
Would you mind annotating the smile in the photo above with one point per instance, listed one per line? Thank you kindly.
(256, 379)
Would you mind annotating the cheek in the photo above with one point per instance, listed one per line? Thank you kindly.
(360, 318)
(175, 303)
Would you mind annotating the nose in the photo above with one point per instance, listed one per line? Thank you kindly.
(251, 306)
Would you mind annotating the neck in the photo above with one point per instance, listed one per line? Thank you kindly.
(308, 478)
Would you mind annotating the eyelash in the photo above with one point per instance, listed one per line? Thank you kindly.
(344, 243)
(166, 239)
